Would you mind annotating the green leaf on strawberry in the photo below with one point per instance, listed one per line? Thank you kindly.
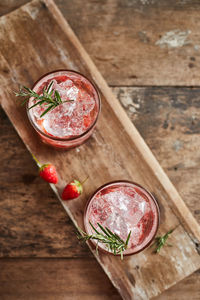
(73, 190)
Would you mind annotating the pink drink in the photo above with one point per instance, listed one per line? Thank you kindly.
(123, 206)
(71, 123)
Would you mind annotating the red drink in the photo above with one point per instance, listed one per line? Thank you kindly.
(71, 123)
(123, 206)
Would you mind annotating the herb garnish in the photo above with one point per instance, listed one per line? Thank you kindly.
(49, 97)
(114, 243)
(161, 240)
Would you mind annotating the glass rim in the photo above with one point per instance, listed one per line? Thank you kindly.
(77, 136)
(121, 182)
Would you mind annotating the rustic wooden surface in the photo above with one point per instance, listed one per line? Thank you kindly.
(75, 279)
(134, 277)
(159, 39)
(181, 132)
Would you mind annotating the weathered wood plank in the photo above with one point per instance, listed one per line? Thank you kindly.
(8, 6)
(32, 221)
(49, 279)
(189, 171)
(135, 49)
(186, 289)
(168, 120)
(145, 42)
(116, 154)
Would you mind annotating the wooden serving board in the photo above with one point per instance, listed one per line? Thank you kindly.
(36, 39)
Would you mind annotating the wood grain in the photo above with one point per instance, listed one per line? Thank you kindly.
(49, 279)
(130, 31)
(20, 175)
(168, 120)
(172, 133)
(52, 279)
(134, 24)
(31, 79)
(32, 221)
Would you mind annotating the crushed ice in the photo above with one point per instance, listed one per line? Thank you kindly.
(67, 118)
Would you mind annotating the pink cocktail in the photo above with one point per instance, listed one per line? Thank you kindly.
(124, 206)
(72, 122)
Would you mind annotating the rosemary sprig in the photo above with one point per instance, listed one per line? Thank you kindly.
(114, 243)
(160, 241)
(49, 97)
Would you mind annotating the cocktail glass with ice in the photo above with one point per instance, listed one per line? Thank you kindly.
(72, 122)
(122, 207)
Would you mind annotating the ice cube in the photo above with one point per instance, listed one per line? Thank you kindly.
(66, 92)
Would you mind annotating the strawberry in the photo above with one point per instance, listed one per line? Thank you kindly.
(73, 190)
(48, 173)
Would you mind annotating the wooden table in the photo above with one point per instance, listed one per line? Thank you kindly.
(149, 52)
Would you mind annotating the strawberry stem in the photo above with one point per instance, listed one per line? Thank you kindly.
(35, 159)
(84, 180)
